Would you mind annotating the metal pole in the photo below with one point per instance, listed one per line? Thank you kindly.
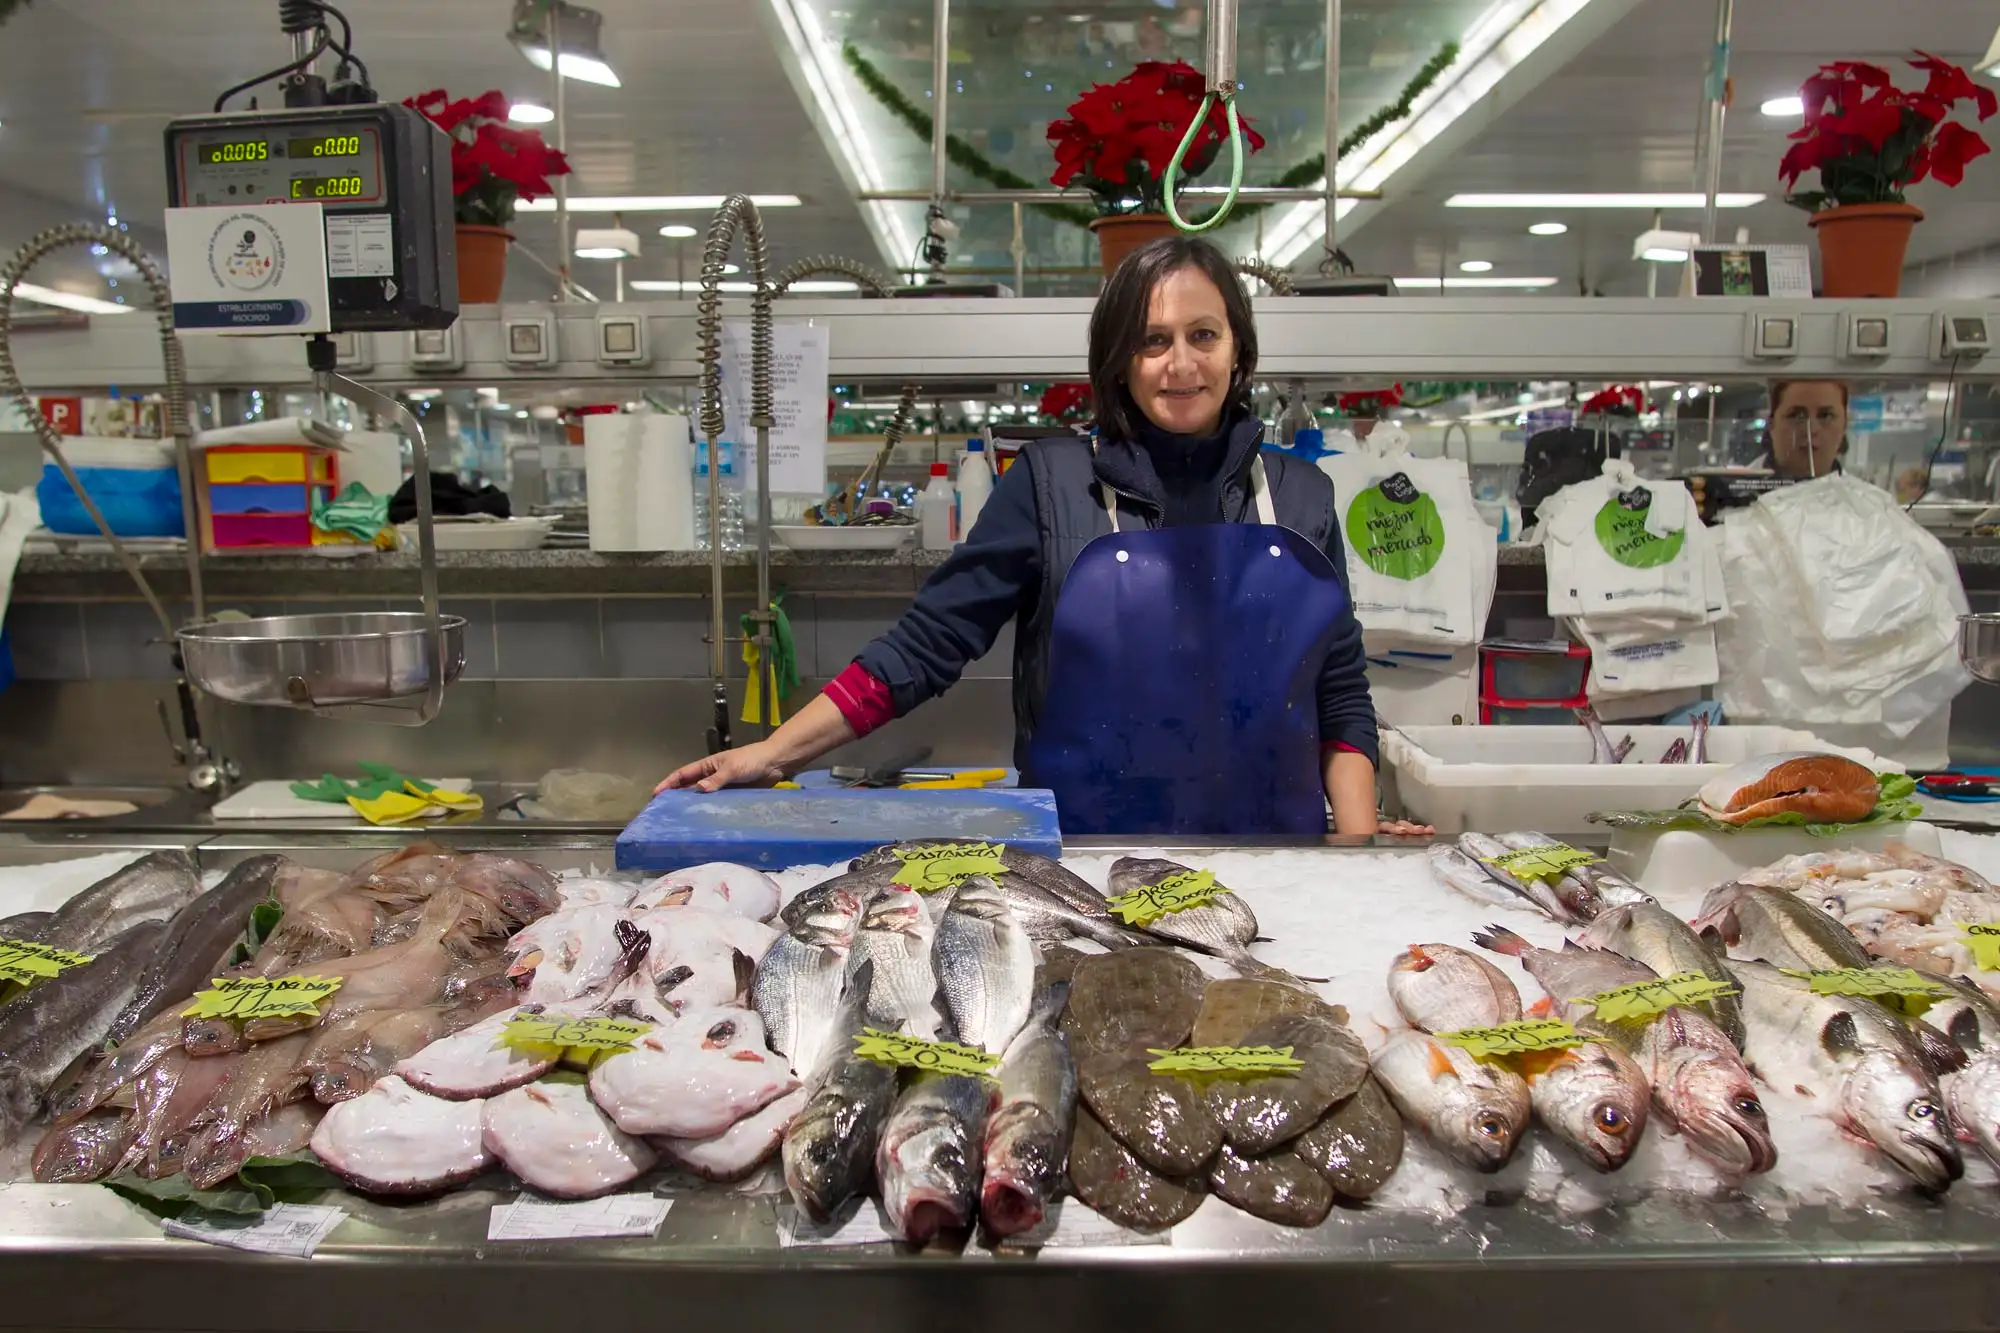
(1019, 249)
(940, 94)
(1653, 269)
(562, 146)
(1331, 242)
(1718, 108)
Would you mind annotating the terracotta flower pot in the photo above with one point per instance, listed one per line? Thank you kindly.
(1861, 248)
(1121, 235)
(482, 262)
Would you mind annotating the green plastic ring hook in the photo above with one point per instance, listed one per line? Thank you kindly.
(1215, 219)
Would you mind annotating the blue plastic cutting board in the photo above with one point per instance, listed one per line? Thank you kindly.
(773, 829)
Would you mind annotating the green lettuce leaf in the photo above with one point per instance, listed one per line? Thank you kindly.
(262, 1181)
(1893, 807)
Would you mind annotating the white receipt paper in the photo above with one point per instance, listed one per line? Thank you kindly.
(619, 1215)
(293, 1229)
(862, 1225)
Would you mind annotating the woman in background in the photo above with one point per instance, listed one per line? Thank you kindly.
(1808, 430)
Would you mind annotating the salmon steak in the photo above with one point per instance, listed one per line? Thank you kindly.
(1825, 788)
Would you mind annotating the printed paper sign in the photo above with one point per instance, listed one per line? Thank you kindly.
(799, 355)
(619, 1215)
(292, 1229)
(249, 268)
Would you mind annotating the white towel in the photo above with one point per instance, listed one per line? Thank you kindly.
(280, 431)
(19, 516)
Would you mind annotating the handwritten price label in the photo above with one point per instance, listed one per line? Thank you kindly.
(554, 1037)
(928, 869)
(1985, 942)
(27, 962)
(1175, 893)
(1525, 1037)
(261, 997)
(1646, 998)
(1226, 1061)
(1541, 862)
(1901, 988)
(940, 1057)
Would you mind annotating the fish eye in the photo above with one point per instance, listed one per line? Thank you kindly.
(1750, 1106)
(1492, 1126)
(1921, 1109)
(1611, 1120)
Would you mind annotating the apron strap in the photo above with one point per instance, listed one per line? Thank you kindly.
(1260, 490)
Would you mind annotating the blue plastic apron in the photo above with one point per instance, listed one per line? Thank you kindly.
(1183, 680)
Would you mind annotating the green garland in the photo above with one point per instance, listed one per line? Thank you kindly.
(976, 164)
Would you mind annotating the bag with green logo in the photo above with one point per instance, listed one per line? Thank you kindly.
(1420, 559)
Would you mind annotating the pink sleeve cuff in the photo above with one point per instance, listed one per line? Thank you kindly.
(1330, 747)
(863, 700)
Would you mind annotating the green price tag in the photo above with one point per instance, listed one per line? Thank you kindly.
(1646, 998)
(581, 1041)
(1175, 893)
(1900, 988)
(1985, 942)
(939, 1057)
(1225, 1061)
(1551, 862)
(27, 962)
(245, 998)
(1522, 1038)
(928, 869)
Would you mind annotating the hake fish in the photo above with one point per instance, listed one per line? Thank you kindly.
(1777, 928)
(1028, 1133)
(1473, 1111)
(1596, 885)
(1861, 1057)
(28, 926)
(1028, 866)
(1479, 851)
(152, 888)
(1696, 1076)
(197, 942)
(798, 983)
(1650, 934)
(929, 1158)
(829, 1149)
(985, 965)
(1440, 988)
(44, 1031)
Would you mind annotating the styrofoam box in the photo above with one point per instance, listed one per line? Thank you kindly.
(1499, 779)
(1677, 861)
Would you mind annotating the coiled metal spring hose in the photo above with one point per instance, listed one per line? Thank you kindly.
(119, 243)
(1279, 281)
(875, 283)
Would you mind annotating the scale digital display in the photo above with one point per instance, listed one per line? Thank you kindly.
(328, 187)
(330, 145)
(287, 163)
(213, 154)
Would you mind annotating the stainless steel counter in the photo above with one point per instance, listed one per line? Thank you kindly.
(81, 1258)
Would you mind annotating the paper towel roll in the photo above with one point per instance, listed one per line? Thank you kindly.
(637, 470)
(375, 459)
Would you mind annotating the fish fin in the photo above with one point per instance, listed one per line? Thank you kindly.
(1261, 939)
(1049, 1005)
(1501, 940)
(746, 972)
(1440, 1063)
(1571, 946)
(1840, 1036)
(1964, 1029)
(1941, 1054)
(1541, 1008)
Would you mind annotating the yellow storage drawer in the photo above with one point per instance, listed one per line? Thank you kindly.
(240, 465)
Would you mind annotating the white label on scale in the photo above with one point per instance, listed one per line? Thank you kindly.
(799, 355)
(250, 268)
(360, 245)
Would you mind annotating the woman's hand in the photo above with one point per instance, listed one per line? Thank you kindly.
(752, 765)
(1403, 828)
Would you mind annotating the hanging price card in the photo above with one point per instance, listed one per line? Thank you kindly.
(948, 865)
(1646, 998)
(27, 962)
(556, 1036)
(1541, 862)
(1985, 942)
(940, 1057)
(261, 997)
(1900, 988)
(1226, 1061)
(1527, 1036)
(1175, 893)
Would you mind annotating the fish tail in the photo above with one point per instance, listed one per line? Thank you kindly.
(1501, 940)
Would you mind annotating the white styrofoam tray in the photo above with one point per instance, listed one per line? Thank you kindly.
(483, 534)
(1692, 861)
(1496, 779)
(854, 537)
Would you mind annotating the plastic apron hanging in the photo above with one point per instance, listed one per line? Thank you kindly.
(1183, 679)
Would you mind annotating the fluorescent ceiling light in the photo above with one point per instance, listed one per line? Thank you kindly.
(827, 82)
(810, 285)
(1990, 62)
(677, 231)
(600, 252)
(1660, 254)
(1785, 106)
(580, 32)
(530, 113)
(650, 203)
(1665, 247)
(1654, 202)
(607, 243)
(1476, 266)
(1513, 410)
(1433, 284)
(1548, 229)
(89, 305)
(1507, 33)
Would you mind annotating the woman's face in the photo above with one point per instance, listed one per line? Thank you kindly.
(1180, 377)
(1807, 427)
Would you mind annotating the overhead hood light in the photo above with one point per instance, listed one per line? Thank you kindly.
(1665, 247)
(530, 113)
(579, 32)
(1432, 284)
(650, 203)
(1651, 202)
(607, 243)
(89, 305)
(1786, 107)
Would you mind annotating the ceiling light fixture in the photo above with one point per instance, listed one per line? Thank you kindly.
(1653, 202)
(579, 32)
(1498, 41)
(529, 113)
(607, 243)
(735, 288)
(1432, 284)
(1548, 228)
(1476, 266)
(1793, 105)
(1665, 247)
(1989, 64)
(651, 203)
(89, 305)
(1514, 409)
(677, 231)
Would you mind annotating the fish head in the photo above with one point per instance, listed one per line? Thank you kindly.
(88, 1150)
(898, 909)
(1599, 1101)
(1413, 959)
(1026, 1154)
(1897, 1108)
(832, 920)
(929, 1179)
(1712, 1098)
(1719, 916)
(1482, 1124)
(1973, 1098)
(979, 896)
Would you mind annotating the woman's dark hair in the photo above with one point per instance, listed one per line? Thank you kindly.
(1118, 325)
(1779, 388)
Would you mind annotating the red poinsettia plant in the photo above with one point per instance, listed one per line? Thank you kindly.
(1120, 137)
(493, 165)
(1369, 402)
(1623, 400)
(1065, 402)
(1870, 140)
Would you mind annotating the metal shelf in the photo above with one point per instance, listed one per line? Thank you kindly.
(1360, 339)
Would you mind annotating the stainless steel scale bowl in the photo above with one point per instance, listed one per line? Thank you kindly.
(323, 661)
(1979, 645)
